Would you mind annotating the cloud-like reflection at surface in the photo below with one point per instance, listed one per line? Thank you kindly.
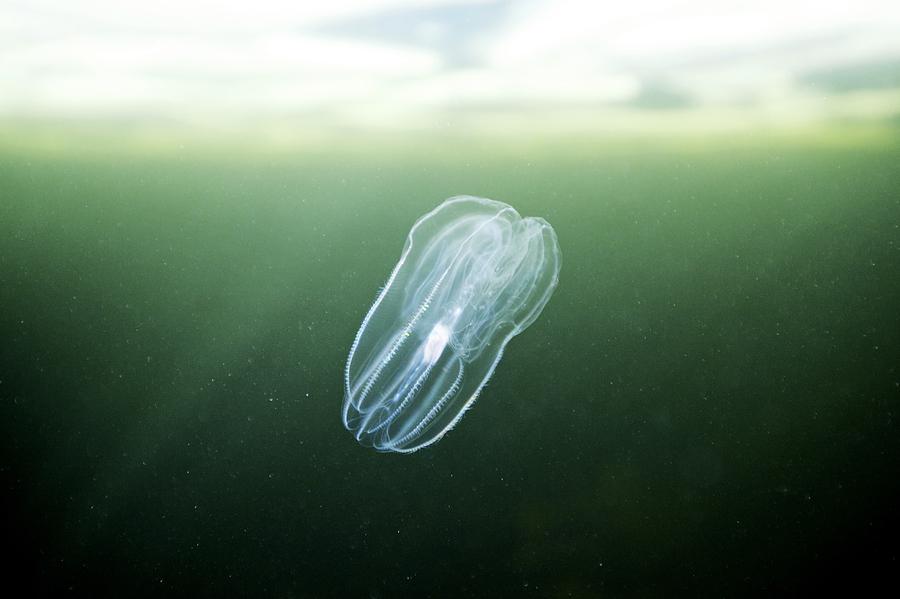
(396, 64)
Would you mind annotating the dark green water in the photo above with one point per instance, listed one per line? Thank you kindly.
(707, 406)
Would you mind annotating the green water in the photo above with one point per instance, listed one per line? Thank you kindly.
(706, 407)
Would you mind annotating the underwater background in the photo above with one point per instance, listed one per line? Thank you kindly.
(707, 406)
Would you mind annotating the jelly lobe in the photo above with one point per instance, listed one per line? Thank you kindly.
(473, 274)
